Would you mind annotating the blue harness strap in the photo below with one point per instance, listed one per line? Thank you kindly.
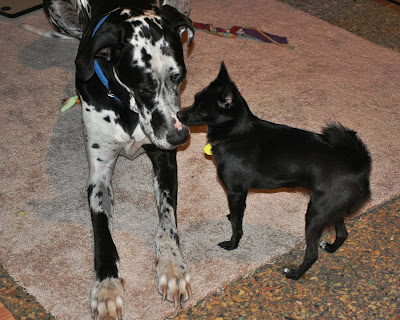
(97, 68)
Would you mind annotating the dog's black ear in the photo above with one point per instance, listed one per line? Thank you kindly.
(178, 21)
(102, 44)
(226, 100)
(223, 74)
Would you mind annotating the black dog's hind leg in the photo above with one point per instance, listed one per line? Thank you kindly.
(341, 236)
(237, 205)
(314, 227)
(172, 272)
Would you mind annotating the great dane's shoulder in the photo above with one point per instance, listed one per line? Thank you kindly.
(129, 68)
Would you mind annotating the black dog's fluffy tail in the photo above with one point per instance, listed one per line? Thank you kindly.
(347, 140)
(358, 156)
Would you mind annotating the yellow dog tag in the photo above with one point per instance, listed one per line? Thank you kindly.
(207, 149)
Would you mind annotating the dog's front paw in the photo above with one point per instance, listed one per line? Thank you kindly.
(291, 274)
(106, 299)
(228, 245)
(173, 279)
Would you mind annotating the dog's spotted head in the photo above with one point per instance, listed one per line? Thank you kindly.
(218, 103)
(142, 56)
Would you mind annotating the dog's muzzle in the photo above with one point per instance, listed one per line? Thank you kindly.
(178, 137)
(179, 134)
(188, 116)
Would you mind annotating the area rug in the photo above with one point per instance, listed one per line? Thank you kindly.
(331, 75)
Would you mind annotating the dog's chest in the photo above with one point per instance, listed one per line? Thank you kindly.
(134, 148)
(105, 126)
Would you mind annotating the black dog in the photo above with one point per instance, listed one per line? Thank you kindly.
(252, 153)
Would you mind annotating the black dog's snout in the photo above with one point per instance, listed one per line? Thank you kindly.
(187, 116)
(178, 137)
(181, 115)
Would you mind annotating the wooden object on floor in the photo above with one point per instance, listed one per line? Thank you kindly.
(15, 8)
(5, 314)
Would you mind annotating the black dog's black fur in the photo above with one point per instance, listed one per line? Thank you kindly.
(252, 153)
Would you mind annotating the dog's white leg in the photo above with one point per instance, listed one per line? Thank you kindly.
(172, 272)
(102, 151)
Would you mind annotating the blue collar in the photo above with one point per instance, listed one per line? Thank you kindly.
(97, 68)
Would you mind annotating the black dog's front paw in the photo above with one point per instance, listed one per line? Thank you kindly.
(291, 274)
(228, 245)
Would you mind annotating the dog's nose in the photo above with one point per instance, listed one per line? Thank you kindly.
(177, 137)
(182, 115)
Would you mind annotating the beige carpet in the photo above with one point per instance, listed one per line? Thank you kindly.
(331, 75)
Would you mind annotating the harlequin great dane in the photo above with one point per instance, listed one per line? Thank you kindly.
(129, 69)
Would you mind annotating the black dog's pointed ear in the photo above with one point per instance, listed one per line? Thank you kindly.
(100, 44)
(223, 73)
(226, 100)
(178, 21)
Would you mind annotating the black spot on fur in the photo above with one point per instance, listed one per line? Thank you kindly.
(146, 58)
(176, 237)
(99, 159)
(107, 119)
(158, 122)
(106, 267)
(136, 23)
(95, 146)
(99, 194)
(166, 50)
(90, 191)
(87, 109)
(145, 32)
(155, 30)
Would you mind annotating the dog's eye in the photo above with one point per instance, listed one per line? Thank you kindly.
(175, 77)
(142, 91)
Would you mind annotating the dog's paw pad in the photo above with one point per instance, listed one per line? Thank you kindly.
(173, 281)
(175, 289)
(106, 299)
